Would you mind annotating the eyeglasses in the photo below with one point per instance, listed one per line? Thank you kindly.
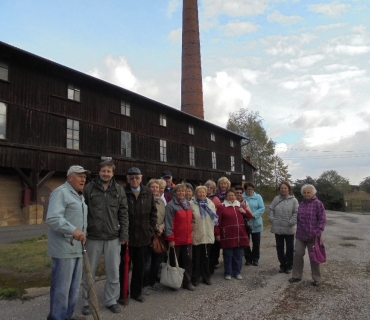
(249, 189)
(134, 177)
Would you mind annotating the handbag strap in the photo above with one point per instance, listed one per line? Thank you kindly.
(168, 256)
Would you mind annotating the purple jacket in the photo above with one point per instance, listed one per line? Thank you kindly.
(311, 219)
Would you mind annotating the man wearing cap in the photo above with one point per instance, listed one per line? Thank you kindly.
(107, 229)
(167, 176)
(142, 224)
(67, 220)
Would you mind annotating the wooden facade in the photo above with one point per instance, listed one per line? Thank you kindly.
(37, 110)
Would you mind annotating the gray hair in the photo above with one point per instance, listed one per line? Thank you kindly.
(305, 186)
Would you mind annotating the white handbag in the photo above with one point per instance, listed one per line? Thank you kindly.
(171, 276)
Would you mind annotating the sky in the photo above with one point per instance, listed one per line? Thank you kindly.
(304, 65)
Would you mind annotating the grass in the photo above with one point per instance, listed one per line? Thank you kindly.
(358, 195)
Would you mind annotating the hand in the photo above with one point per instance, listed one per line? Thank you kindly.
(79, 235)
(218, 238)
(241, 210)
(123, 242)
(172, 244)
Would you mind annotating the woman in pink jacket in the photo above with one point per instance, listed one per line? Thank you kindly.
(232, 234)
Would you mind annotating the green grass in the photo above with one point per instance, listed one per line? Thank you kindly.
(9, 292)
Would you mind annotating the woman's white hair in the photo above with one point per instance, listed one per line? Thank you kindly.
(305, 186)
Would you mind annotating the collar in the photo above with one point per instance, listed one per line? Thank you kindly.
(236, 203)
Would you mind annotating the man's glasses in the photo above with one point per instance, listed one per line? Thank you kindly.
(134, 178)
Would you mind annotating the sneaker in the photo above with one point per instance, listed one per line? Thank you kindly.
(239, 277)
(86, 310)
(190, 287)
(315, 283)
(293, 280)
(227, 277)
(114, 308)
(145, 291)
(156, 287)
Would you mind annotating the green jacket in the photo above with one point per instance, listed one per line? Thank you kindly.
(67, 212)
(107, 217)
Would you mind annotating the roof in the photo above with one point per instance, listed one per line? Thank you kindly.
(249, 163)
(103, 82)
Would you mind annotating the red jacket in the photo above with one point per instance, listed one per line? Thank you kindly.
(231, 228)
(178, 224)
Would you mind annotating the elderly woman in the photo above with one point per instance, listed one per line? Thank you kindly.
(189, 191)
(166, 197)
(232, 234)
(211, 193)
(283, 218)
(204, 220)
(178, 232)
(152, 259)
(311, 221)
(258, 208)
(223, 184)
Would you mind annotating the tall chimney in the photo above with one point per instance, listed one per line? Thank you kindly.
(191, 69)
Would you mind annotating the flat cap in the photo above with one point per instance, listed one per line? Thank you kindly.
(166, 173)
(77, 169)
(133, 170)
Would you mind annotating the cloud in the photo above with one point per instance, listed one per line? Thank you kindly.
(280, 18)
(175, 36)
(333, 9)
(234, 8)
(173, 5)
(236, 27)
(325, 27)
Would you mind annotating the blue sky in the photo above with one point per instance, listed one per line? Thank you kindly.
(303, 65)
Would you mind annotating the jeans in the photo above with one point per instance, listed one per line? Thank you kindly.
(254, 254)
(152, 263)
(65, 286)
(285, 258)
(233, 258)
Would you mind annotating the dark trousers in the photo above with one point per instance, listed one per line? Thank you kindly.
(184, 257)
(137, 257)
(201, 262)
(285, 257)
(214, 256)
(254, 254)
(152, 263)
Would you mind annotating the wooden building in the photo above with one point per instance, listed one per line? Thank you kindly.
(52, 117)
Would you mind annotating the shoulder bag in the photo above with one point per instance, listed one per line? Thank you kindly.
(171, 276)
(159, 245)
(317, 252)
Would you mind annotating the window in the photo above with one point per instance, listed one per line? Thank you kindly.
(162, 120)
(2, 120)
(214, 163)
(163, 150)
(191, 156)
(213, 136)
(126, 144)
(73, 134)
(73, 92)
(4, 70)
(232, 143)
(125, 108)
(232, 160)
(191, 129)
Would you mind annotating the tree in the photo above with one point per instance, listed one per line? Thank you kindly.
(340, 182)
(298, 184)
(260, 148)
(365, 184)
(280, 172)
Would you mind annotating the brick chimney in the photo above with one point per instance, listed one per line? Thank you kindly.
(191, 69)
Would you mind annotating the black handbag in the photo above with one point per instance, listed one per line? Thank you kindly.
(248, 225)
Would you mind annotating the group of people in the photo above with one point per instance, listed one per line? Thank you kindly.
(196, 224)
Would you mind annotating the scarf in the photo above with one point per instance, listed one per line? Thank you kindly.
(204, 209)
(183, 203)
(221, 194)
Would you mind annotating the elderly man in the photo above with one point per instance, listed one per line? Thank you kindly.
(142, 224)
(167, 176)
(107, 229)
(67, 220)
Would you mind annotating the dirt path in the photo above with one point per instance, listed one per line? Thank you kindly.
(263, 293)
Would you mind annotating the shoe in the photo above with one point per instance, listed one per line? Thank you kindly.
(293, 280)
(139, 298)
(78, 318)
(217, 266)
(207, 282)
(145, 291)
(195, 283)
(227, 277)
(255, 263)
(86, 310)
(247, 263)
(315, 283)
(239, 277)
(114, 308)
(287, 271)
(156, 287)
(281, 270)
(190, 287)
(120, 301)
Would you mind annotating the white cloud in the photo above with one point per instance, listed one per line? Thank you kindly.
(280, 18)
(333, 9)
(175, 36)
(234, 8)
(326, 27)
(173, 5)
(236, 27)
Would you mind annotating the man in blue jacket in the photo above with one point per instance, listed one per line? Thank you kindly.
(67, 220)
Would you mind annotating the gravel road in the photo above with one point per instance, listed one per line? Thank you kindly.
(263, 293)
